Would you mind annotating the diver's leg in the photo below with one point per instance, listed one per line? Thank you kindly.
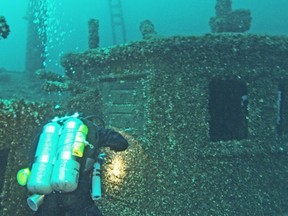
(93, 211)
(50, 206)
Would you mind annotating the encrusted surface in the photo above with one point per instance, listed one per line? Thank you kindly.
(19, 125)
(189, 174)
(224, 52)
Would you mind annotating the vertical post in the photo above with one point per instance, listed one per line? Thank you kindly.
(93, 40)
(223, 8)
(147, 29)
(36, 36)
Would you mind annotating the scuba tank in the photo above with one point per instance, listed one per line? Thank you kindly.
(71, 146)
(39, 179)
(55, 167)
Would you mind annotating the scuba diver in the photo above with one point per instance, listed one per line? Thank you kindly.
(4, 28)
(65, 179)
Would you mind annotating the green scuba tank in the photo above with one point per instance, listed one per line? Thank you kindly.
(39, 179)
(70, 147)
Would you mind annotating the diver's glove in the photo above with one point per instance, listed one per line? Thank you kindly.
(112, 139)
(91, 161)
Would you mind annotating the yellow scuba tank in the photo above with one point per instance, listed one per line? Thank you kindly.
(70, 146)
(39, 179)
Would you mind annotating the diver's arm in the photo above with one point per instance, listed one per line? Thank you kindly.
(112, 139)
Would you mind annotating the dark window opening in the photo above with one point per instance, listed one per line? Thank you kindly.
(282, 109)
(3, 164)
(228, 110)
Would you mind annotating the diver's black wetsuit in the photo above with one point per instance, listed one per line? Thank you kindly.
(79, 202)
